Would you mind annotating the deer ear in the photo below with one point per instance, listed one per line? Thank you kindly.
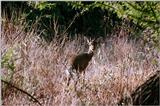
(93, 40)
(86, 39)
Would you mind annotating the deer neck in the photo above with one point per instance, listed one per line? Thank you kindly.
(91, 52)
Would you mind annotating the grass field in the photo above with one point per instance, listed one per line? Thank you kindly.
(117, 68)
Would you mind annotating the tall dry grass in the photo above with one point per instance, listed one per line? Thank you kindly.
(117, 68)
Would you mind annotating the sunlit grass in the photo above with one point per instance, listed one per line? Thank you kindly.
(117, 68)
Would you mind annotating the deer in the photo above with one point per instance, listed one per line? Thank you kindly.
(80, 62)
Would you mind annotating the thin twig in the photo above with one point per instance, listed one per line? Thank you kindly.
(21, 91)
(78, 14)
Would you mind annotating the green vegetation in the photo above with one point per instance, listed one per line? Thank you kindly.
(7, 60)
(91, 18)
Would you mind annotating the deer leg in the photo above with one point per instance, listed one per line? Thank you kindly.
(76, 82)
(83, 79)
(69, 78)
(68, 81)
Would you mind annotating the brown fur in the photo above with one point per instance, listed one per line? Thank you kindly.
(81, 61)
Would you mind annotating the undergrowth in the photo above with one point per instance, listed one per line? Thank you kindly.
(117, 68)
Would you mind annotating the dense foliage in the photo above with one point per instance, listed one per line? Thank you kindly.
(98, 18)
(91, 18)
